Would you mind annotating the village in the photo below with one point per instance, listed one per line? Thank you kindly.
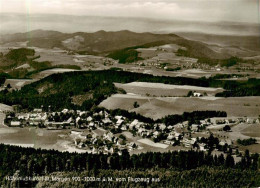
(101, 132)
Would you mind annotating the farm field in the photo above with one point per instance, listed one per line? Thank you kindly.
(4, 107)
(33, 137)
(151, 143)
(246, 131)
(159, 89)
(36, 138)
(252, 130)
(149, 146)
(158, 107)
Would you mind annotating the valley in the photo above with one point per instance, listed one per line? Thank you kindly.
(107, 94)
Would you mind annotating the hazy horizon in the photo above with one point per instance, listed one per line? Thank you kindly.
(19, 23)
(222, 17)
(199, 10)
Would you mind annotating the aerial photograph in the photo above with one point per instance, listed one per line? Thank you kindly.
(140, 93)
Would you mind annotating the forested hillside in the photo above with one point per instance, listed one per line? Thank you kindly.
(58, 90)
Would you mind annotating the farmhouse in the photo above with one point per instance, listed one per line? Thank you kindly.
(155, 134)
(119, 121)
(197, 94)
(108, 136)
(171, 136)
(89, 119)
(55, 125)
(202, 147)
(188, 142)
(251, 120)
(224, 142)
(37, 110)
(162, 126)
(194, 127)
(169, 142)
(15, 123)
(107, 121)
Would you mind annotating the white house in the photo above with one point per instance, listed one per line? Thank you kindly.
(197, 94)
(15, 123)
(89, 119)
(64, 111)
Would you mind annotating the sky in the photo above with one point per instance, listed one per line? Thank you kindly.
(200, 10)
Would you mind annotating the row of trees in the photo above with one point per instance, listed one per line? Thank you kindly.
(31, 161)
(192, 117)
(246, 142)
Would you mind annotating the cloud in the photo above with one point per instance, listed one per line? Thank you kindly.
(206, 10)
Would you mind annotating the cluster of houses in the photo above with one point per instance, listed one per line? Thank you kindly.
(232, 121)
(173, 62)
(105, 143)
(85, 123)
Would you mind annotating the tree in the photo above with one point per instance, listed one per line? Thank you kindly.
(136, 105)
(255, 158)
(226, 128)
(190, 93)
(229, 161)
(221, 159)
(122, 137)
(9, 86)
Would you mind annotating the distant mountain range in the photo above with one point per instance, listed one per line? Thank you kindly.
(102, 42)
(13, 23)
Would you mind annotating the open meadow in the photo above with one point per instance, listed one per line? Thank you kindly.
(158, 107)
(164, 90)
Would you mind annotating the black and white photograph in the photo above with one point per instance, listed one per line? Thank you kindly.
(129, 93)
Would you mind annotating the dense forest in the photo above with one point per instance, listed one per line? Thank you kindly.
(201, 177)
(241, 88)
(130, 54)
(36, 162)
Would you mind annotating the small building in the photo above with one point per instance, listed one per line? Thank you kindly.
(119, 121)
(15, 124)
(108, 136)
(133, 124)
(76, 132)
(155, 134)
(197, 94)
(162, 126)
(37, 110)
(194, 127)
(169, 142)
(89, 119)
